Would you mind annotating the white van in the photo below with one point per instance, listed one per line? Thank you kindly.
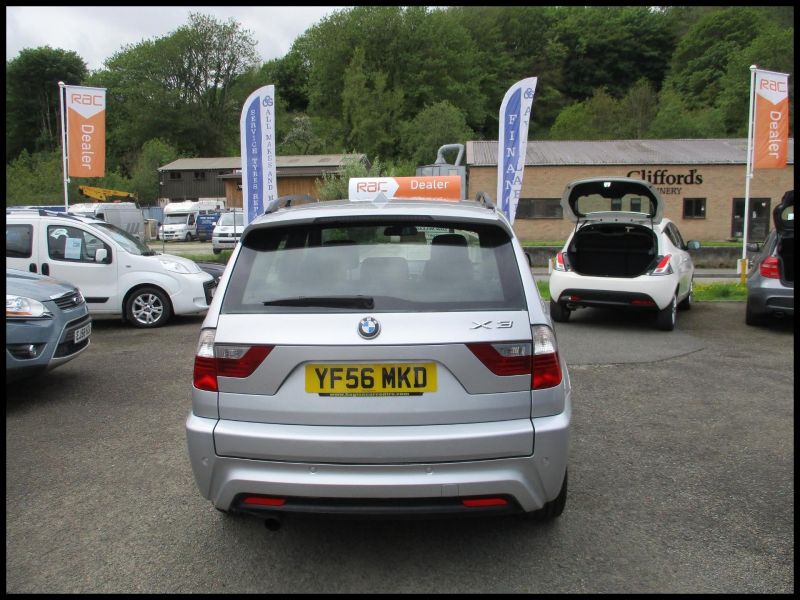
(117, 273)
(180, 219)
(125, 215)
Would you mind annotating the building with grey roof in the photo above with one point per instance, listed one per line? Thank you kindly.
(701, 181)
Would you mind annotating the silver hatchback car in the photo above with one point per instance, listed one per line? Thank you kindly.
(380, 358)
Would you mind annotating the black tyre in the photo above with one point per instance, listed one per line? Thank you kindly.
(217, 250)
(148, 307)
(558, 312)
(554, 508)
(188, 237)
(665, 319)
(751, 317)
(686, 303)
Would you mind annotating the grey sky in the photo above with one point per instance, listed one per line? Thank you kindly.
(97, 32)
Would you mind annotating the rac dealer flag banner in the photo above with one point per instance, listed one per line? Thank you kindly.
(86, 131)
(515, 115)
(257, 132)
(771, 120)
(441, 187)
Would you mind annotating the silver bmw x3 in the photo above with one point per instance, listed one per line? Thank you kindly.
(380, 358)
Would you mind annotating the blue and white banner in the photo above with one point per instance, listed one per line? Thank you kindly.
(515, 115)
(257, 128)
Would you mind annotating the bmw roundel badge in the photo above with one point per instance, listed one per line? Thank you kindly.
(368, 328)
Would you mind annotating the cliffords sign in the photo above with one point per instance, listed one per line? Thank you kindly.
(666, 181)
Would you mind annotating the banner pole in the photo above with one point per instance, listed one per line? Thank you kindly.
(61, 88)
(748, 176)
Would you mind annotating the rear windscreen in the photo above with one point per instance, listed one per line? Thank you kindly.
(604, 196)
(377, 265)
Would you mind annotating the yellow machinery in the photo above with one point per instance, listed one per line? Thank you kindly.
(103, 195)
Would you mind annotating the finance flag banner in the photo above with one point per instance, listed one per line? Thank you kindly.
(515, 115)
(86, 131)
(257, 132)
(771, 127)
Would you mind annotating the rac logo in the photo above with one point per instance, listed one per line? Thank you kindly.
(372, 186)
(87, 99)
(773, 85)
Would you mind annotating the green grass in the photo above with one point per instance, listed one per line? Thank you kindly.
(221, 258)
(702, 292)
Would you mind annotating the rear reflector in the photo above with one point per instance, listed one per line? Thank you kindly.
(263, 501)
(479, 502)
(642, 302)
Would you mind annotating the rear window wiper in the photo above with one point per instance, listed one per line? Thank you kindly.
(325, 301)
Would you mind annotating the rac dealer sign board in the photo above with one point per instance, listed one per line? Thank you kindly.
(86, 131)
(446, 187)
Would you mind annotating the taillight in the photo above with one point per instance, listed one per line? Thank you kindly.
(546, 365)
(212, 361)
(769, 268)
(516, 359)
(562, 262)
(663, 267)
(504, 359)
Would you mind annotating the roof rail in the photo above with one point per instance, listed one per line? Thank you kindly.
(43, 212)
(288, 201)
(485, 199)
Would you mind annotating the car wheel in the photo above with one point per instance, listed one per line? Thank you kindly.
(665, 320)
(554, 508)
(558, 312)
(217, 250)
(751, 317)
(188, 237)
(686, 303)
(148, 307)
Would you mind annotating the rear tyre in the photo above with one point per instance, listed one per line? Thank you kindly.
(148, 307)
(552, 509)
(686, 303)
(558, 312)
(217, 250)
(751, 317)
(188, 237)
(665, 319)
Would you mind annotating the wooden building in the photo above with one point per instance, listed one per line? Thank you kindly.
(221, 178)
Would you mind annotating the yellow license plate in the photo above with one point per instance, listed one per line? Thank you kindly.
(383, 379)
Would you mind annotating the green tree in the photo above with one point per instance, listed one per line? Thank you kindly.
(437, 125)
(180, 87)
(596, 118)
(144, 175)
(370, 111)
(334, 186)
(638, 109)
(32, 102)
(772, 50)
(702, 55)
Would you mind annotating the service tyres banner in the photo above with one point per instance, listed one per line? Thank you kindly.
(257, 132)
(86, 131)
(771, 127)
(515, 115)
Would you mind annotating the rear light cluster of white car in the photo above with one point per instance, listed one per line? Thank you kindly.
(662, 267)
(543, 365)
(562, 262)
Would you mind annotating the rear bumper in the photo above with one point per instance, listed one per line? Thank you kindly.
(613, 291)
(770, 298)
(530, 481)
